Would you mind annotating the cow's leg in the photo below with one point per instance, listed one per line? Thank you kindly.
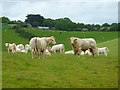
(13, 50)
(78, 53)
(32, 52)
(105, 53)
(54, 51)
(43, 54)
(92, 51)
(8, 50)
(39, 54)
(98, 54)
(61, 50)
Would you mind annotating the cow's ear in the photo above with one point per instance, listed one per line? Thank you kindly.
(52, 36)
(75, 40)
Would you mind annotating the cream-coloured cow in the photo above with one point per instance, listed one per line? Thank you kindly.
(83, 44)
(39, 45)
(11, 47)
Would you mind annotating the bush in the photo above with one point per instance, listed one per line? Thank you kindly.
(24, 34)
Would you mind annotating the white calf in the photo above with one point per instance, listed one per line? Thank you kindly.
(87, 52)
(47, 52)
(69, 52)
(20, 48)
(11, 47)
(103, 50)
(27, 48)
(82, 53)
(58, 47)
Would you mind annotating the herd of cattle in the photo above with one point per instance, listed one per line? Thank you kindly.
(41, 46)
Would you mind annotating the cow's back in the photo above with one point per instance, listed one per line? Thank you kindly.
(41, 44)
(32, 42)
(91, 42)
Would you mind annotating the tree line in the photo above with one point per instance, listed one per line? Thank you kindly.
(65, 24)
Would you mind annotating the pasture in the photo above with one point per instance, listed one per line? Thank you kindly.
(58, 70)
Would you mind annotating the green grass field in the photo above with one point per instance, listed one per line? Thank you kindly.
(58, 70)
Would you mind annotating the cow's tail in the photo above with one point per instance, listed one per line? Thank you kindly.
(36, 49)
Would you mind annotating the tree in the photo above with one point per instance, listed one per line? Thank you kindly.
(5, 20)
(105, 25)
(114, 27)
(34, 20)
(64, 24)
(48, 23)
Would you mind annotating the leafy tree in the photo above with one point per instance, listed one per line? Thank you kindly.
(105, 25)
(5, 20)
(13, 22)
(114, 27)
(34, 20)
(48, 23)
(118, 26)
(64, 24)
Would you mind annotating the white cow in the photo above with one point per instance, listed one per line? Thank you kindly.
(39, 45)
(47, 52)
(11, 47)
(69, 52)
(83, 44)
(58, 47)
(20, 48)
(87, 52)
(103, 50)
(82, 53)
(27, 48)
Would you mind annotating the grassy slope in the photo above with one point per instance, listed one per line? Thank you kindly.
(11, 37)
(60, 70)
(63, 37)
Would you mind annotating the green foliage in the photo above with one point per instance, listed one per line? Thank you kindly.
(64, 24)
(105, 25)
(24, 34)
(114, 27)
(4, 26)
(4, 20)
(48, 23)
(34, 20)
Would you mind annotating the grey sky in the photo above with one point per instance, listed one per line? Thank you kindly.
(82, 11)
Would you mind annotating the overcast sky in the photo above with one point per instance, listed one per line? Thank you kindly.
(82, 11)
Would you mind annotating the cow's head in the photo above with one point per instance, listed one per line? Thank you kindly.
(51, 40)
(73, 40)
(7, 44)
